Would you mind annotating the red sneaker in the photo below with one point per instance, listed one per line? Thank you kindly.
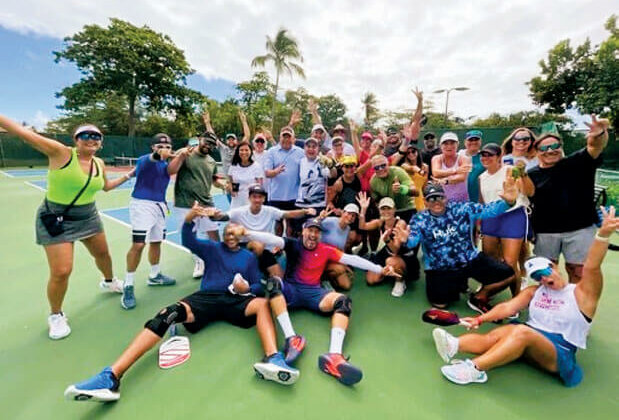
(335, 365)
(293, 348)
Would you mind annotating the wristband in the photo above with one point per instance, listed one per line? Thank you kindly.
(446, 181)
(479, 320)
(401, 152)
(602, 238)
(404, 189)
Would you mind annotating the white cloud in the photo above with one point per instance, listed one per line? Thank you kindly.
(351, 47)
(40, 120)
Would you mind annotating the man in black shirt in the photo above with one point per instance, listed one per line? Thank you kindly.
(563, 211)
(429, 151)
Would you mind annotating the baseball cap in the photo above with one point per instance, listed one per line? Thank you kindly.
(257, 189)
(337, 139)
(318, 127)
(429, 135)
(351, 208)
(209, 137)
(491, 148)
(313, 222)
(449, 136)
(392, 131)
(287, 129)
(310, 140)
(339, 127)
(192, 142)
(231, 135)
(377, 143)
(474, 134)
(87, 128)
(386, 202)
(161, 138)
(348, 160)
(367, 135)
(535, 264)
(433, 190)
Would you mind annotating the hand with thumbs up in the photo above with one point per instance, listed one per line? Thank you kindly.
(395, 187)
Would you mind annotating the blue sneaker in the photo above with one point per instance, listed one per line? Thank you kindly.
(161, 280)
(274, 368)
(101, 387)
(127, 300)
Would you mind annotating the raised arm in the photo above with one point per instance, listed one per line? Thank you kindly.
(597, 137)
(364, 203)
(175, 165)
(295, 118)
(266, 238)
(57, 152)
(589, 289)
(110, 184)
(313, 108)
(206, 118)
(246, 130)
(354, 138)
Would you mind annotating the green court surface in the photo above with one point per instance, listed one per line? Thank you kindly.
(387, 340)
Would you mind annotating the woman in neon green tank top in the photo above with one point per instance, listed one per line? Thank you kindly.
(69, 170)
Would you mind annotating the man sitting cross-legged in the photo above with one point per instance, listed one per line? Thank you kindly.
(221, 297)
(306, 260)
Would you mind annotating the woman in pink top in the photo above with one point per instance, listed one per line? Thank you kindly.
(450, 169)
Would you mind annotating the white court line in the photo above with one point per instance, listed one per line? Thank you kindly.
(35, 186)
(7, 174)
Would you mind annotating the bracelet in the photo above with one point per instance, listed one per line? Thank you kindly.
(401, 152)
(446, 181)
(602, 238)
(127, 177)
(479, 320)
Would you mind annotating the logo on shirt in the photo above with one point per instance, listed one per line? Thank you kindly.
(444, 234)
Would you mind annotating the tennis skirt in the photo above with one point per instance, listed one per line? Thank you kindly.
(81, 222)
(512, 224)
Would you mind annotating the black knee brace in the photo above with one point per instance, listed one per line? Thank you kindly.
(343, 305)
(175, 313)
(273, 287)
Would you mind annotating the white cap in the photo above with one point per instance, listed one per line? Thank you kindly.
(448, 136)
(351, 208)
(386, 202)
(536, 263)
(318, 127)
(87, 128)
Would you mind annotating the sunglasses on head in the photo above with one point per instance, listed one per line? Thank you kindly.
(526, 138)
(434, 198)
(89, 136)
(553, 146)
(380, 167)
(537, 275)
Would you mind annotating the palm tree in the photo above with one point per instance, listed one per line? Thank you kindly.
(370, 107)
(281, 51)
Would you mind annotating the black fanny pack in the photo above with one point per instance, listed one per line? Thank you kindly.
(54, 223)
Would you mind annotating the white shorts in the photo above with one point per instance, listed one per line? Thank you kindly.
(201, 224)
(147, 220)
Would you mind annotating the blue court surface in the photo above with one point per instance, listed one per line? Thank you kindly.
(121, 215)
(24, 173)
(42, 183)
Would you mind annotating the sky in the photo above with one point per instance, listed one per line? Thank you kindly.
(349, 47)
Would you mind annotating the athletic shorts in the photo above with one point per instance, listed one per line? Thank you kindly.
(209, 307)
(147, 220)
(201, 224)
(568, 369)
(510, 225)
(445, 286)
(302, 296)
(573, 245)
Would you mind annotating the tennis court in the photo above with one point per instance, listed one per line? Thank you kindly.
(387, 340)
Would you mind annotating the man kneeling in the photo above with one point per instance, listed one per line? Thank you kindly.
(220, 298)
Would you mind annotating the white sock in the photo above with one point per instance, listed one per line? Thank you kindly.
(337, 340)
(129, 279)
(284, 322)
(154, 270)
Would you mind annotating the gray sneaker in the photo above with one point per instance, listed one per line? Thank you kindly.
(127, 300)
(161, 280)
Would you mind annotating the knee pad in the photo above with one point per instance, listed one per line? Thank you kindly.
(343, 305)
(273, 287)
(169, 315)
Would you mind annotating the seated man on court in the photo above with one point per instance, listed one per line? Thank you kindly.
(560, 316)
(221, 298)
(306, 260)
(445, 230)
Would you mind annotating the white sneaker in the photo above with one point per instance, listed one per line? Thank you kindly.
(114, 286)
(464, 373)
(58, 326)
(198, 269)
(399, 287)
(446, 344)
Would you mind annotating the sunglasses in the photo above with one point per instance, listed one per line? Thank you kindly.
(435, 198)
(259, 140)
(380, 167)
(527, 138)
(486, 154)
(163, 146)
(473, 139)
(348, 166)
(537, 275)
(553, 146)
(412, 151)
(89, 136)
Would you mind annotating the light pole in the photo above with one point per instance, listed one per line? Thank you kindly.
(460, 88)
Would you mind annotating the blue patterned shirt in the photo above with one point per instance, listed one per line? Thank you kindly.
(447, 240)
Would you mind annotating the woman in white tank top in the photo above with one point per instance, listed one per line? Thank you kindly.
(560, 314)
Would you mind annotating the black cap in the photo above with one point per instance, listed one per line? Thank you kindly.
(428, 135)
(433, 190)
(161, 138)
(392, 131)
(257, 189)
(491, 148)
(313, 222)
(209, 136)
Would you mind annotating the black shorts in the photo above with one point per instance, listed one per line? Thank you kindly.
(445, 286)
(283, 205)
(209, 307)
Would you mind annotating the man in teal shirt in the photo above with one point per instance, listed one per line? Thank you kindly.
(472, 144)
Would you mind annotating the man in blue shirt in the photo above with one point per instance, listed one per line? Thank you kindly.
(227, 293)
(445, 231)
(147, 213)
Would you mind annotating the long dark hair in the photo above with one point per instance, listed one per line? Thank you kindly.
(418, 161)
(236, 159)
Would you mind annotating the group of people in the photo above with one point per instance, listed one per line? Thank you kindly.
(329, 204)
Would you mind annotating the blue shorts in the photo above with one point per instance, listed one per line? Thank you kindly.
(569, 371)
(303, 296)
(512, 225)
